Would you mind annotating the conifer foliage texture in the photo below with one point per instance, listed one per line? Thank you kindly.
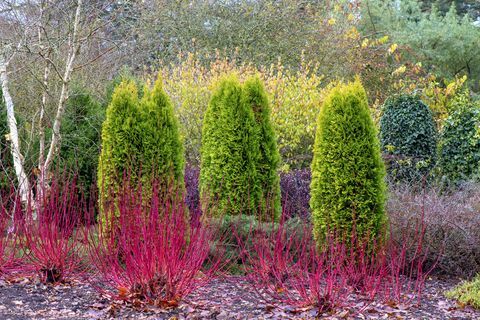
(408, 138)
(239, 153)
(229, 152)
(347, 188)
(140, 138)
(268, 159)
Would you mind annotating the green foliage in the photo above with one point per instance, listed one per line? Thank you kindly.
(81, 130)
(445, 43)
(459, 146)
(228, 181)
(467, 292)
(347, 188)
(268, 160)
(408, 138)
(121, 141)
(162, 151)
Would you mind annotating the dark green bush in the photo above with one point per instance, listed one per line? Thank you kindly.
(228, 181)
(347, 188)
(408, 138)
(459, 145)
(81, 130)
(268, 160)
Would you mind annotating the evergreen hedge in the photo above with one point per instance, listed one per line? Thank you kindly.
(408, 138)
(347, 188)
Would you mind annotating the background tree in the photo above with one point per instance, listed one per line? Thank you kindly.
(347, 188)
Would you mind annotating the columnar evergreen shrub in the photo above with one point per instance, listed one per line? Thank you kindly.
(81, 130)
(228, 181)
(268, 159)
(121, 142)
(347, 188)
(162, 156)
(408, 138)
(459, 145)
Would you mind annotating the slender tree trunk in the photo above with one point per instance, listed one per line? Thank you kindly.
(23, 182)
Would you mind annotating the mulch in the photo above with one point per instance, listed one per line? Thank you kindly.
(224, 298)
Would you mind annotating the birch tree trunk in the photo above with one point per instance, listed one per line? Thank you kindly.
(23, 182)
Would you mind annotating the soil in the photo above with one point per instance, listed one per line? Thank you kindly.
(226, 298)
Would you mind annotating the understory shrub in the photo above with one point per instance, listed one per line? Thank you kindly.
(287, 267)
(156, 256)
(228, 178)
(467, 292)
(295, 186)
(6, 163)
(459, 145)
(452, 223)
(408, 138)
(347, 188)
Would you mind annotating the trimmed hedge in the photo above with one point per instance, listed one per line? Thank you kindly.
(408, 138)
(347, 188)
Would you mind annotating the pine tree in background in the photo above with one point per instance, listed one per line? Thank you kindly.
(268, 160)
(408, 138)
(121, 142)
(228, 182)
(347, 188)
(162, 156)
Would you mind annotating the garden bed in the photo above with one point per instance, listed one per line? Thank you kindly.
(227, 298)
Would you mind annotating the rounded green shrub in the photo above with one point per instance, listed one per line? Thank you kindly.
(459, 145)
(162, 157)
(408, 138)
(268, 160)
(347, 189)
(228, 181)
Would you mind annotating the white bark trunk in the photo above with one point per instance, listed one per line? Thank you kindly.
(74, 49)
(23, 183)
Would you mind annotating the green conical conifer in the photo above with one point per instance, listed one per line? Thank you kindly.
(347, 188)
(121, 142)
(162, 151)
(229, 152)
(268, 159)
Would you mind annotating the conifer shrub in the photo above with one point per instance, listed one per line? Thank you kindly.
(121, 142)
(162, 158)
(347, 189)
(408, 138)
(459, 145)
(268, 159)
(228, 181)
